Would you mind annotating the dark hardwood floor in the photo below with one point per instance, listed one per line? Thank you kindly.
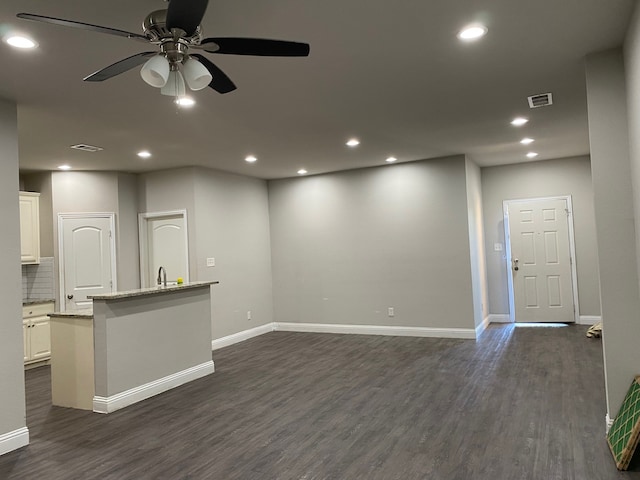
(521, 403)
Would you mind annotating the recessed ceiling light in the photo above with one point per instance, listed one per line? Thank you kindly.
(302, 171)
(64, 167)
(519, 121)
(353, 142)
(472, 32)
(21, 42)
(144, 154)
(391, 159)
(526, 141)
(532, 155)
(251, 159)
(185, 102)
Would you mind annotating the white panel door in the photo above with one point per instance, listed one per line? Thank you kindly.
(166, 247)
(86, 259)
(541, 260)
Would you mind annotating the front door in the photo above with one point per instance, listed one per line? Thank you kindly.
(87, 251)
(540, 259)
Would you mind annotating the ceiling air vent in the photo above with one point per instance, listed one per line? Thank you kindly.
(86, 148)
(540, 100)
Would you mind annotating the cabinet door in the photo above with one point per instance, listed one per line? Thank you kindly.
(40, 338)
(26, 337)
(29, 227)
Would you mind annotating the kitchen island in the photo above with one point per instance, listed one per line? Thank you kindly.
(131, 346)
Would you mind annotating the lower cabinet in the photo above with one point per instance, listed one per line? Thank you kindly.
(37, 337)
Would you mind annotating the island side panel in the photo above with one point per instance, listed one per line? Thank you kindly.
(72, 374)
(142, 339)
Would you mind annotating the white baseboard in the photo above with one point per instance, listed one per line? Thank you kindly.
(499, 318)
(137, 394)
(589, 319)
(468, 333)
(482, 327)
(241, 336)
(13, 440)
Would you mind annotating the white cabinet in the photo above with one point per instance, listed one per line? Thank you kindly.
(30, 227)
(36, 330)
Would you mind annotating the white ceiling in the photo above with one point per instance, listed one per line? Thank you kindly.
(392, 74)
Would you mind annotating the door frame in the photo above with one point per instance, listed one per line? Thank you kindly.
(572, 251)
(61, 263)
(143, 240)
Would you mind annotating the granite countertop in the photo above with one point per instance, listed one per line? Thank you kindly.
(151, 291)
(84, 313)
(38, 301)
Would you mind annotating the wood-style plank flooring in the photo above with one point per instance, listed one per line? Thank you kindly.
(521, 403)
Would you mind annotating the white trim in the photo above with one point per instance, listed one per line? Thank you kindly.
(589, 319)
(608, 423)
(143, 241)
(507, 258)
(112, 245)
(468, 333)
(500, 318)
(137, 394)
(241, 336)
(482, 327)
(14, 440)
(572, 251)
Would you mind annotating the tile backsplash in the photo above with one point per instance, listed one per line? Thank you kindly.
(37, 280)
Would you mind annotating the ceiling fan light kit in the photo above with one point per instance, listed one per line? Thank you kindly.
(175, 31)
(156, 71)
(196, 74)
(175, 85)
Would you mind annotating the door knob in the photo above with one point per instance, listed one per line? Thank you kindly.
(515, 264)
(69, 297)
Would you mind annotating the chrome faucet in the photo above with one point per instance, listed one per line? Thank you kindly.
(162, 277)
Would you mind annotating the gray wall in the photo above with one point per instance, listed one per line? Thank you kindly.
(567, 176)
(476, 243)
(12, 411)
(232, 217)
(228, 219)
(615, 226)
(127, 232)
(348, 245)
(632, 69)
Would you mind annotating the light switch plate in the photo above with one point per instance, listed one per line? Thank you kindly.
(497, 247)
(211, 262)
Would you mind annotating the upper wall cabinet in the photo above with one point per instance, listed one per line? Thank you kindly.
(30, 227)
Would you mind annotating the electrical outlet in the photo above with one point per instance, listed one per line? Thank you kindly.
(211, 262)
(391, 312)
(248, 314)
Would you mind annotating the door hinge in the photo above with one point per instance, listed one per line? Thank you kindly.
(110, 234)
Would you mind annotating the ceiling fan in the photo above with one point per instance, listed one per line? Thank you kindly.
(176, 31)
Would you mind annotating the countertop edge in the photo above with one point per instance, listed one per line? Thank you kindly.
(151, 291)
(26, 303)
(84, 315)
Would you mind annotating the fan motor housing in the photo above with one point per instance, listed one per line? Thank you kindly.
(155, 28)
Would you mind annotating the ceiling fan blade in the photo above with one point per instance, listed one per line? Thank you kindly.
(255, 46)
(120, 67)
(220, 83)
(84, 26)
(186, 14)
